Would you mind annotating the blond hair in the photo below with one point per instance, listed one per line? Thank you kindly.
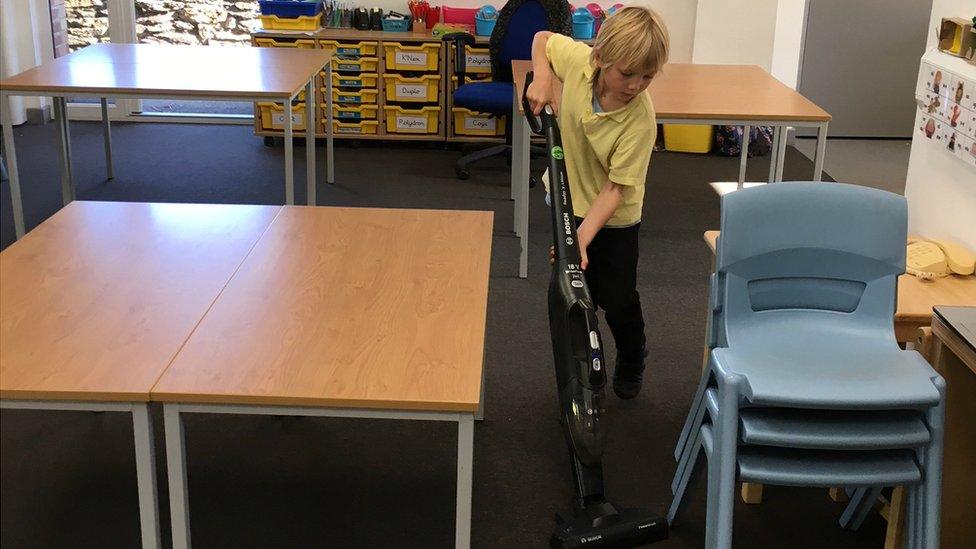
(635, 37)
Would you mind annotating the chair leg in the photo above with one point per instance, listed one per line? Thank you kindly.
(857, 500)
(726, 446)
(682, 478)
(461, 166)
(694, 416)
(870, 498)
(935, 417)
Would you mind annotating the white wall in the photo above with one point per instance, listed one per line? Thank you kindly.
(768, 33)
(941, 190)
(25, 42)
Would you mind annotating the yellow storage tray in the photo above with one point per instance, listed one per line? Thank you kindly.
(468, 122)
(304, 22)
(690, 138)
(420, 57)
(275, 43)
(422, 89)
(273, 116)
(363, 80)
(350, 49)
(366, 127)
(349, 113)
(477, 60)
(354, 97)
(423, 120)
(355, 64)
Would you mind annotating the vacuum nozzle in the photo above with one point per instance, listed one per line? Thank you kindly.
(602, 525)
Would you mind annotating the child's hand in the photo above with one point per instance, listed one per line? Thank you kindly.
(584, 261)
(540, 94)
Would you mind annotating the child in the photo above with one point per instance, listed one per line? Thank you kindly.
(608, 130)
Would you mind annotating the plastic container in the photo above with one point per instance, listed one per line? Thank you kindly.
(396, 25)
(689, 138)
(349, 49)
(614, 9)
(460, 16)
(420, 57)
(484, 20)
(421, 89)
(290, 8)
(355, 64)
(476, 60)
(366, 127)
(347, 113)
(363, 80)
(467, 122)
(273, 116)
(305, 22)
(423, 120)
(276, 43)
(583, 24)
(360, 97)
(598, 16)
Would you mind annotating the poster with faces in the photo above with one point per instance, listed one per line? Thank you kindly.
(948, 104)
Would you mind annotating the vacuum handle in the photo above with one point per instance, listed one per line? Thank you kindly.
(535, 122)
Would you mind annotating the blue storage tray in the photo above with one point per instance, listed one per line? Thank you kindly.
(396, 25)
(290, 8)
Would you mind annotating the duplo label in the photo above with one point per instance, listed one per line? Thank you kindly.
(415, 59)
(411, 91)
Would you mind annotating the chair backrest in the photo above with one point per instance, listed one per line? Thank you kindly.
(827, 251)
(518, 21)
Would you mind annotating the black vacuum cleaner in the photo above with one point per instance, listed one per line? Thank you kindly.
(581, 378)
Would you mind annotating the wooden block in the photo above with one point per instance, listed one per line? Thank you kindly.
(896, 519)
(752, 493)
(838, 495)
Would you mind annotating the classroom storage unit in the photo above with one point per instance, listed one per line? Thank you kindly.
(374, 70)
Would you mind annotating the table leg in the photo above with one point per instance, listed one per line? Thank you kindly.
(12, 173)
(821, 152)
(179, 507)
(480, 416)
(146, 475)
(517, 122)
(310, 142)
(289, 157)
(64, 146)
(462, 538)
(744, 155)
(107, 132)
(330, 161)
(524, 199)
(774, 154)
(781, 153)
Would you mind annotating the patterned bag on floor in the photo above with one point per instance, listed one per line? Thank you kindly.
(728, 140)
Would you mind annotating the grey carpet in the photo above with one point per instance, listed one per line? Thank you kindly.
(69, 477)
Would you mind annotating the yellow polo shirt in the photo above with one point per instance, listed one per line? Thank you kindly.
(613, 145)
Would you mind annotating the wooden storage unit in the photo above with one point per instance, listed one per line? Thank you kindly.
(411, 59)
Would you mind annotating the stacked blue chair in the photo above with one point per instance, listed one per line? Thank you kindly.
(805, 383)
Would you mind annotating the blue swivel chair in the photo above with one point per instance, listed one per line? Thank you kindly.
(805, 383)
(511, 39)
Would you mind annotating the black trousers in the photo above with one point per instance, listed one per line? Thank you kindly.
(612, 278)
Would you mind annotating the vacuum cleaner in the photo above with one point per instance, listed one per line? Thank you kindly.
(581, 378)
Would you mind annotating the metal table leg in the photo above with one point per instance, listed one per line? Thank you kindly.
(522, 185)
(179, 507)
(330, 161)
(310, 142)
(12, 174)
(64, 146)
(107, 131)
(744, 155)
(462, 533)
(146, 475)
(821, 152)
(289, 157)
(774, 153)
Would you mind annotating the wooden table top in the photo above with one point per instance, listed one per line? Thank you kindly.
(96, 301)
(723, 92)
(158, 69)
(347, 307)
(916, 297)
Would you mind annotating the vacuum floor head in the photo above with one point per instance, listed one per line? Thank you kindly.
(603, 525)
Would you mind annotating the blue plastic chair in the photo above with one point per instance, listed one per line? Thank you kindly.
(802, 304)
(518, 22)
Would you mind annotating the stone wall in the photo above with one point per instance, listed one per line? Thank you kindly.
(208, 22)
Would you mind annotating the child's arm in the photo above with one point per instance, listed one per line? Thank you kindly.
(540, 93)
(600, 211)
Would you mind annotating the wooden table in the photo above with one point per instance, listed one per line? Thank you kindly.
(344, 312)
(98, 299)
(916, 297)
(738, 95)
(954, 357)
(198, 73)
